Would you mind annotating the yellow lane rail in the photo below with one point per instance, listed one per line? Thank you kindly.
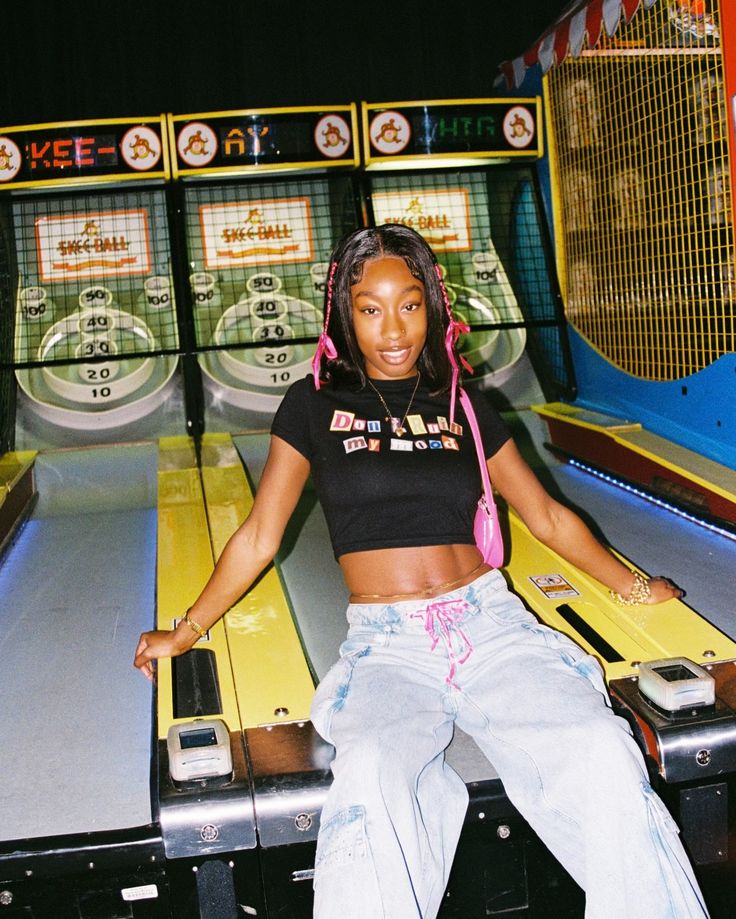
(630, 436)
(619, 636)
(272, 678)
(17, 491)
(13, 467)
(184, 563)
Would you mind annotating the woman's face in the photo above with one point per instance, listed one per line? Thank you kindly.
(389, 318)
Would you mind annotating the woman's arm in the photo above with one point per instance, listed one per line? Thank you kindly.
(251, 547)
(561, 529)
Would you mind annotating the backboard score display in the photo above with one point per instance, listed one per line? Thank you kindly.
(85, 152)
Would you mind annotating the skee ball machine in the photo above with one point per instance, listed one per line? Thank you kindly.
(93, 327)
(642, 168)
(89, 334)
(461, 172)
(265, 195)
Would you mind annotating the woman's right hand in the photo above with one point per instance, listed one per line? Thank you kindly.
(159, 643)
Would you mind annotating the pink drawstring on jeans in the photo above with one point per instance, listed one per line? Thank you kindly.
(442, 620)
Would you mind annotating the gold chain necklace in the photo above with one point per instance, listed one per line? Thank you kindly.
(398, 428)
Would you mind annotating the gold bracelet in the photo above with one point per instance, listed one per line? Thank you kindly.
(639, 593)
(194, 626)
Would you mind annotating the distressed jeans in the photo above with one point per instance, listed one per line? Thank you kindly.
(537, 706)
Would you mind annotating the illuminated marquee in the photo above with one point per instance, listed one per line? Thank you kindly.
(83, 152)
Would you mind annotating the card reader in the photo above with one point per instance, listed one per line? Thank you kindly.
(675, 683)
(199, 749)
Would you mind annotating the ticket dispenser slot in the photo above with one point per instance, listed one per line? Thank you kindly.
(195, 684)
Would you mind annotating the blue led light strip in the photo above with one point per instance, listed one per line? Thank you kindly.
(647, 496)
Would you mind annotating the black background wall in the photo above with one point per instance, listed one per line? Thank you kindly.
(75, 59)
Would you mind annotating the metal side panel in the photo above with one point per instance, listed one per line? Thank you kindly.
(207, 819)
(291, 774)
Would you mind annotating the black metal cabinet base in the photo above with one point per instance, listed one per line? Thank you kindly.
(118, 874)
(501, 867)
(218, 887)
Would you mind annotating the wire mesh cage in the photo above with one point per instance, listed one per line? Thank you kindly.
(643, 203)
(258, 259)
(487, 231)
(91, 315)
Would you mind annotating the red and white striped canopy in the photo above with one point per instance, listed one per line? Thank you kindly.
(579, 23)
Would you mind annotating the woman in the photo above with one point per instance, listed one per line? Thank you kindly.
(436, 639)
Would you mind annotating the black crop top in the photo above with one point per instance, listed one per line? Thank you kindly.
(381, 491)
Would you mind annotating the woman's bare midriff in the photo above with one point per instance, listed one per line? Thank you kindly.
(421, 571)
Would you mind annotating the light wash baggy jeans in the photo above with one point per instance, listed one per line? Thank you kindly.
(537, 706)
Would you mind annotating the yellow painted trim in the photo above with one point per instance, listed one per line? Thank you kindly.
(269, 666)
(638, 633)
(82, 124)
(14, 464)
(432, 157)
(355, 128)
(172, 145)
(229, 171)
(413, 103)
(264, 111)
(165, 146)
(673, 467)
(563, 411)
(364, 132)
(556, 194)
(617, 434)
(183, 566)
(91, 180)
(541, 117)
(12, 468)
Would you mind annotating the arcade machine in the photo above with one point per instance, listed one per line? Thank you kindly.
(265, 194)
(94, 324)
(462, 174)
(290, 765)
(640, 132)
(90, 335)
(258, 274)
(641, 156)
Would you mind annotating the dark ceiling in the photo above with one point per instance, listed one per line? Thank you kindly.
(69, 60)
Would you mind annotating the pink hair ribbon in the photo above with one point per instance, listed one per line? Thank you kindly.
(454, 330)
(325, 345)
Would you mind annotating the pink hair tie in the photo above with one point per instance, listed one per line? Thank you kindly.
(325, 345)
(454, 330)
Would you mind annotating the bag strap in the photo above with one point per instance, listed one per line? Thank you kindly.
(473, 422)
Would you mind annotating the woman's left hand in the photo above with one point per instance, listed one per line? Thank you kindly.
(661, 589)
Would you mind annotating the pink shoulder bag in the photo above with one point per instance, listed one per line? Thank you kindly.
(486, 530)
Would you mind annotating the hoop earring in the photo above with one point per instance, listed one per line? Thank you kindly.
(325, 345)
